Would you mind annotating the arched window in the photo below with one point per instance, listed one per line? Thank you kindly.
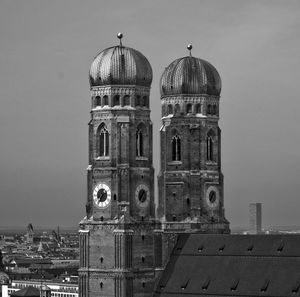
(139, 143)
(198, 108)
(98, 101)
(105, 100)
(117, 100)
(189, 108)
(214, 109)
(137, 100)
(126, 100)
(145, 101)
(177, 109)
(170, 109)
(208, 109)
(176, 148)
(210, 146)
(103, 141)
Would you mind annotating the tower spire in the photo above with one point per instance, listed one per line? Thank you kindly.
(120, 36)
(189, 47)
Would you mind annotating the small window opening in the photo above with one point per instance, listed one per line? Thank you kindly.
(99, 77)
(296, 287)
(184, 286)
(145, 101)
(250, 248)
(188, 201)
(142, 176)
(98, 101)
(221, 249)
(200, 248)
(105, 100)
(174, 218)
(174, 194)
(265, 286)
(206, 284)
(101, 285)
(137, 100)
(126, 100)
(189, 108)
(143, 237)
(101, 259)
(280, 247)
(115, 197)
(143, 259)
(209, 109)
(101, 219)
(142, 218)
(234, 285)
(144, 285)
(214, 110)
(117, 100)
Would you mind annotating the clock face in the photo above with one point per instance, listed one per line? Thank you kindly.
(212, 197)
(142, 195)
(102, 195)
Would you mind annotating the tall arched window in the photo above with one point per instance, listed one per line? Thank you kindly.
(198, 108)
(105, 100)
(170, 109)
(103, 141)
(139, 143)
(176, 148)
(210, 146)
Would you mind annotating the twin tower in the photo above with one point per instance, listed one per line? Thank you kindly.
(125, 238)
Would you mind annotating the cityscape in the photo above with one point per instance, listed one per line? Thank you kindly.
(139, 204)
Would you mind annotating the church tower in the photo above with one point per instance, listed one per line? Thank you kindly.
(190, 180)
(120, 242)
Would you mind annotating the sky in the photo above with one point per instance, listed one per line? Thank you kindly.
(46, 48)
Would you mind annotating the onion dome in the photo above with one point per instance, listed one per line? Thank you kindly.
(119, 65)
(190, 75)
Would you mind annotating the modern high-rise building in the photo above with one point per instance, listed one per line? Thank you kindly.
(255, 218)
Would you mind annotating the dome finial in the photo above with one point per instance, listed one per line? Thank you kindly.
(120, 36)
(189, 47)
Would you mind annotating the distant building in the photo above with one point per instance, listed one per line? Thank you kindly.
(255, 218)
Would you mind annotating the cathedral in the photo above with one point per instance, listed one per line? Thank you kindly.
(129, 246)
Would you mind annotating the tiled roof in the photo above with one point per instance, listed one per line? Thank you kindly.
(233, 265)
(28, 292)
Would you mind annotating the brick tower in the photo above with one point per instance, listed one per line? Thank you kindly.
(120, 244)
(190, 181)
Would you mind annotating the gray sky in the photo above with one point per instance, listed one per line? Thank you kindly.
(46, 48)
